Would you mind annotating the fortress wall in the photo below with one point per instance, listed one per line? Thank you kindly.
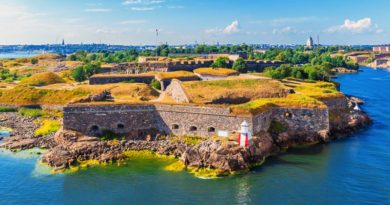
(336, 103)
(262, 121)
(139, 120)
(188, 66)
(95, 80)
(134, 118)
(260, 65)
(176, 92)
(181, 120)
(302, 119)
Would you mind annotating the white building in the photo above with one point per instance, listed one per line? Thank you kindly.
(309, 42)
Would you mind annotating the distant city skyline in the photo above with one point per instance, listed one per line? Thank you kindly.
(134, 22)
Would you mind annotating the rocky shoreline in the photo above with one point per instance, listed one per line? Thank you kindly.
(68, 148)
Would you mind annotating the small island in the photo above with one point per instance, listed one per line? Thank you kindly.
(216, 114)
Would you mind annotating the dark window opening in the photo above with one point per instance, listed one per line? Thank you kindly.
(175, 127)
(211, 129)
(94, 128)
(193, 128)
(120, 126)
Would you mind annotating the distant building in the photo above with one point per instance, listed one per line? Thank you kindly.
(381, 49)
(310, 42)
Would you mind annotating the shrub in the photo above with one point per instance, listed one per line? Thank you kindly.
(34, 61)
(240, 65)
(48, 127)
(7, 109)
(28, 112)
(276, 127)
(155, 84)
(78, 74)
(221, 62)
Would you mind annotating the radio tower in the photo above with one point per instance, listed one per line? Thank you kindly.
(318, 40)
(156, 41)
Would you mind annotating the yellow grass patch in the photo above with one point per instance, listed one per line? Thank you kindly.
(175, 74)
(261, 105)
(46, 78)
(250, 89)
(216, 71)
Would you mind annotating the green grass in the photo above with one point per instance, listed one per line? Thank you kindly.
(8, 109)
(28, 112)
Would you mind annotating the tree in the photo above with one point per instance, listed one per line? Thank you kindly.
(78, 74)
(34, 61)
(155, 84)
(221, 62)
(91, 68)
(240, 65)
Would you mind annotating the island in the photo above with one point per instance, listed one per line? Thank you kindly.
(216, 114)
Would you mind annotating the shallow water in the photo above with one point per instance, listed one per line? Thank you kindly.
(355, 170)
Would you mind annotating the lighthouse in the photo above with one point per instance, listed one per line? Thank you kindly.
(244, 136)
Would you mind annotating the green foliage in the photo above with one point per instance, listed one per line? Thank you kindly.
(34, 61)
(276, 127)
(108, 135)
(7, 109)
(155, 84)
(28, 112)
(311, 72)
(240, 65)
(7, 76)
(221, 62)
(78, 74)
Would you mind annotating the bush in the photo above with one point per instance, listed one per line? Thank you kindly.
(221, 62)
(240, 65)
(7, 109)
(48, 127)
(155, 84)
(28, 112)
(34, 61)
(78, 74)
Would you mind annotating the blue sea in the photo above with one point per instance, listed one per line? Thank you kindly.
(355, 170)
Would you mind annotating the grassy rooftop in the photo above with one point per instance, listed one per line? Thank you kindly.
(319, 90)
(203, 92)
(261, 105)
(216, 71)
(175, 74)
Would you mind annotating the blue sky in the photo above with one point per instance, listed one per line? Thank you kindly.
(133, 22)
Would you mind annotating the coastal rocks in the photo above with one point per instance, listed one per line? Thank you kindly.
(344, 70)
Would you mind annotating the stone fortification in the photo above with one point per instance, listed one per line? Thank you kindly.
(140, 120)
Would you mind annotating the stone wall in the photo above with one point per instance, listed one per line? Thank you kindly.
(336, 103)
(139, 120)
(95, 80)
(177, 92)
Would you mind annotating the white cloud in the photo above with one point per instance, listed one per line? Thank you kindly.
(234, 27)
(132, 22)
(142, 2)
(142, 8)
(289, 20)
(97, 10)
(284, 30)
(175, 7)
(359, 26)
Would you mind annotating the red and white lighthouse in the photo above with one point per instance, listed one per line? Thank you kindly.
(244, 136)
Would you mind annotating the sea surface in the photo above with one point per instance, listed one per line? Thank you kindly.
(355, 170)
(18, 55)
